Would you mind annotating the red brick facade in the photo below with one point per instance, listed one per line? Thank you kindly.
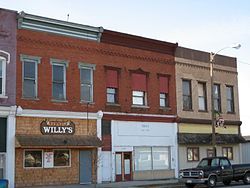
(75, 50)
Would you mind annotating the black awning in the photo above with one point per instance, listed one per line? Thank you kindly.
(203, 139)
(69, 141)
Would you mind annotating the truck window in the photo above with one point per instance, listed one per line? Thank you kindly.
(224, 162)
(215, 162)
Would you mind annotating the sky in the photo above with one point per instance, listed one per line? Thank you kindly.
(202, 25)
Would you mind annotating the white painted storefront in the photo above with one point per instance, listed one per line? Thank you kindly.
(151, 145)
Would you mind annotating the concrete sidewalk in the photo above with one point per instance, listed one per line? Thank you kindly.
(169, 183)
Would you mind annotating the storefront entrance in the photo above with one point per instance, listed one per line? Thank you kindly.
(85, 167)
(123, 164)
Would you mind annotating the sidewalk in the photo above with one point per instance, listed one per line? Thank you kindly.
(170, 183)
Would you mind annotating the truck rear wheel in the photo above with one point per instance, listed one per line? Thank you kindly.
(211, 181)
(246, 178)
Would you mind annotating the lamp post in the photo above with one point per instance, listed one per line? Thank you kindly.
(213, 118)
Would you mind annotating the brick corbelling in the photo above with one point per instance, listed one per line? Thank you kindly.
(105, 49)
(204, 67)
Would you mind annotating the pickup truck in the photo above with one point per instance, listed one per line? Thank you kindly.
(215, 169)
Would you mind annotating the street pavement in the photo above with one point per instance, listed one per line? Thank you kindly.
(170, 183)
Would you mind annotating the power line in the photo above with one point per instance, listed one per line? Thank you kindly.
(242, 62)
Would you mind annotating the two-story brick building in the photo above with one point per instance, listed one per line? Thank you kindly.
(139, 129)
(58, 129)
(193, 88)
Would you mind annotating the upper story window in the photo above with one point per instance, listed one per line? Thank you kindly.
(139, 86)
(186, 95)
(59, 79)
(112, 86)
(86, 81)
(30, 85)
(202, 93)
(217, 98)
(230, 99)
(2, 77)
(164, 101)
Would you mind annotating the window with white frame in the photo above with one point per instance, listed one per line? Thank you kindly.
(33, 158)
(202, 96)
(59, 79)
(152, 158)
(30, 64)
(86, 81)
(2, 76)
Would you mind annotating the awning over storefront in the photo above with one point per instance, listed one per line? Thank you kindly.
(57, 141)
(202, 139)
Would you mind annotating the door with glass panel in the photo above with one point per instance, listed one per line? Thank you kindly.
(123, 164)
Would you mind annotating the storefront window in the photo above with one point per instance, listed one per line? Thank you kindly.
(151, 158)
(143, 159)
(61, 158)
(160, 158)
(33, 158)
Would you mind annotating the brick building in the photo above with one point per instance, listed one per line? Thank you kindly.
(193, 88)
(8, 109)
(58, 128)
(139, 129)
(77, 84)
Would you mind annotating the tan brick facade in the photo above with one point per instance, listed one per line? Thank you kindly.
(194, 65)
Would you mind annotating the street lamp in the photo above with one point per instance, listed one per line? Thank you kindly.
(213, 118)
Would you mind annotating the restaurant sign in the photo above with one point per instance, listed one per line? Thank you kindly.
(57, 127)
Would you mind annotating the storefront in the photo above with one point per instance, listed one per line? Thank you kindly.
(141, 151)
(54, 151)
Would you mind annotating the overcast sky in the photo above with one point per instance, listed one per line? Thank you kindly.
(202, 25)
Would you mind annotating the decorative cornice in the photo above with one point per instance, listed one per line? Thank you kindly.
(38, 23)
(103, 51)
(205, 67)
